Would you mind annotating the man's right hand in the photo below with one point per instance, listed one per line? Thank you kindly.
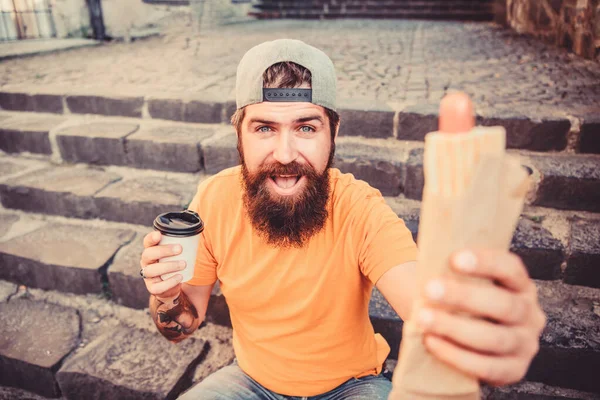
(153, 269)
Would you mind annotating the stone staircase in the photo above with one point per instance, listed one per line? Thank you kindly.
(83, 175)
(477, 10)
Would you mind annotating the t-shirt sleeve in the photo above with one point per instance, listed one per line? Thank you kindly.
(205, 269)
(385, 241)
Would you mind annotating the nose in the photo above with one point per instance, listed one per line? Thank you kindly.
(285, 151)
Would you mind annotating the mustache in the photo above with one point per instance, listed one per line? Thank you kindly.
(276, 168)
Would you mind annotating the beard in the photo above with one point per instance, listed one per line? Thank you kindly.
(286, 221)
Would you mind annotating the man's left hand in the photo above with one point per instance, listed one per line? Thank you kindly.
(488, 331)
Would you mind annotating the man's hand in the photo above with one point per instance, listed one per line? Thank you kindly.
(496, 346)
(153, 269)
(173, 313)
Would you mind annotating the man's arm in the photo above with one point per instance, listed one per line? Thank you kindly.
(178, 316)
(399, 287)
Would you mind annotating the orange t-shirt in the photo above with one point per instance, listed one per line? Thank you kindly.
(300, 315)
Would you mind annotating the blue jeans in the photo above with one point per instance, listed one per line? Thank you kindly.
(231, 383)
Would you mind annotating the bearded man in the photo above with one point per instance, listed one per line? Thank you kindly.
(297, 247)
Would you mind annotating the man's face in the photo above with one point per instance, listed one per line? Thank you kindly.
(286, 150)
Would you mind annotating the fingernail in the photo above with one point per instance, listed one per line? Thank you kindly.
(156, 236)
(425, 317)
(181, 265)
(177, 248)
(178, 278)
(465, 261)
(435, 290)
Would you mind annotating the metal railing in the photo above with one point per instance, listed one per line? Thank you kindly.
(26, 19)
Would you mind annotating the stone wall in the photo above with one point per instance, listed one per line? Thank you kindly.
(71, 18)
(210, 13)
(122, 18)
(574, 24)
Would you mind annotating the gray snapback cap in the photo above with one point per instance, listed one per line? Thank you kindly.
(249, 81)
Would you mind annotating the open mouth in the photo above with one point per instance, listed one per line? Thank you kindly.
(285, 184)
(286, 181)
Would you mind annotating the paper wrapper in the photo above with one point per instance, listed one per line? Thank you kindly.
(472, 198)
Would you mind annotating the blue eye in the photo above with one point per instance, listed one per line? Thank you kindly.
(306, 129)
(264, 129)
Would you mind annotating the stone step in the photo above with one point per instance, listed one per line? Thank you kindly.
(95, 349)
(28, 359)
(100, 349)
(369, 4)
(432, 9)
(535, 391)
(554, 245)
(82, 256)
(64, 257)
(113, 193)
(27, 133)
(589, 135)
(565, 246)
(116, 365)
(564, 181)
(102, 258)
(569, 355)
(367, 118)
(567, 181)
(99, 140)
(463, 15)
(543, 240)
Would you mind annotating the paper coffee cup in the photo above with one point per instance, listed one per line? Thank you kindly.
(183, 228)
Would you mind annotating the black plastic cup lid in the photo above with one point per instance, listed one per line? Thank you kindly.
(183, 223)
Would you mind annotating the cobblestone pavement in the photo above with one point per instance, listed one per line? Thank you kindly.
(406, 61)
